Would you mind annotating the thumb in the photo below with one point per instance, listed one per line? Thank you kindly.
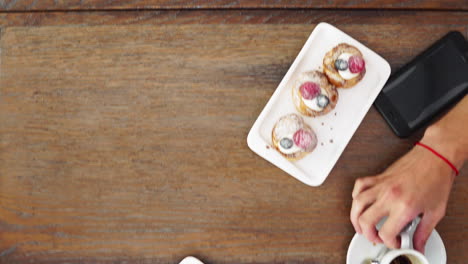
(423, 231)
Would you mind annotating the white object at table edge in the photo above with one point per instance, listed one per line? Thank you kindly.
(190, 260)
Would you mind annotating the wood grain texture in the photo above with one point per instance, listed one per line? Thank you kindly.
(336, 17)
(28, 5)
(128, 142)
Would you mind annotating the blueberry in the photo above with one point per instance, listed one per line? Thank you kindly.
(286, 143)
(322, 100)
(341, 65)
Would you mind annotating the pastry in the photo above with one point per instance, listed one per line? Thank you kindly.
(344, 66)
(313, 95)
(292, 137)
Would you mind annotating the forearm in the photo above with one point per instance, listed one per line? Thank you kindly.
(448, 136)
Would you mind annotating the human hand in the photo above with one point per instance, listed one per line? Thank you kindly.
(417, 184)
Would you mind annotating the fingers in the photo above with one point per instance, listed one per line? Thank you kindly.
(361, 203)
(363, 184)
(392, 227)
(424, 230)
(369, 219)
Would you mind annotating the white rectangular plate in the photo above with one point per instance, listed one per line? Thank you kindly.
(335, 129)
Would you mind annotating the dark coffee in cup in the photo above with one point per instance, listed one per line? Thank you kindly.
(401, 260)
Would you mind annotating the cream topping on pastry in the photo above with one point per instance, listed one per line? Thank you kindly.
(346, 74)
(313, 103)
(293, 149)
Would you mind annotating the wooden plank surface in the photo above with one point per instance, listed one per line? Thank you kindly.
(157, 17)
(28, 5)
(123, 139)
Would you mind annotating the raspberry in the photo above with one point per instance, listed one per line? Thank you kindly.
(303, 139)
(356, 64)
(309, 90)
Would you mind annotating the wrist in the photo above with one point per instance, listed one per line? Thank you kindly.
(445, 144)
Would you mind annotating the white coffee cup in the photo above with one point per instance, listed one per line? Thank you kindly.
(406, 250)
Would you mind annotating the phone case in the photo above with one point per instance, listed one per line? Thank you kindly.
(391, 113)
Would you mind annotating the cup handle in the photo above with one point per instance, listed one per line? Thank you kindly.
(406, 240)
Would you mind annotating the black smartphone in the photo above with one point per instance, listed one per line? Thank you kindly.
(433, 81)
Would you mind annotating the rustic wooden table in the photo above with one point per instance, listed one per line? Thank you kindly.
(123, 130)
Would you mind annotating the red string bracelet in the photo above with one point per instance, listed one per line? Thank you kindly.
(440, 156)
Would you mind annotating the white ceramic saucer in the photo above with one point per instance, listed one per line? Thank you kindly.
(361, 250)
(190, 260)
